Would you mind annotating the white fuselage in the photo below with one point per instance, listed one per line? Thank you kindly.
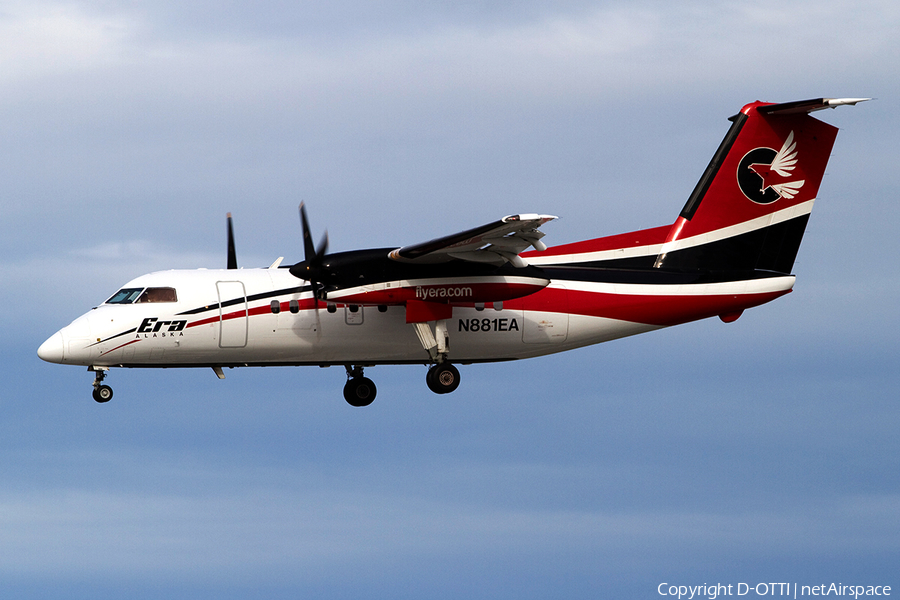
(226, 318)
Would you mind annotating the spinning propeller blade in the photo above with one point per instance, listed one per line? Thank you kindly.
(310, 268)
(232, 253)
(308, 250)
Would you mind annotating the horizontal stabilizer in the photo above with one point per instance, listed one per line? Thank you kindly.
(808, 106)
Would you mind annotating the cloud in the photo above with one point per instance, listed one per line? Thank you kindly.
(283, 527)
(585, 52)
(76, 279)
(40, 40)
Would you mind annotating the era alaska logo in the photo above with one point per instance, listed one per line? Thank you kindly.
(763, 172)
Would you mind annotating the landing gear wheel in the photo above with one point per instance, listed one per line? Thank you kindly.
(359, 391)
(442, 378)
(102, 393)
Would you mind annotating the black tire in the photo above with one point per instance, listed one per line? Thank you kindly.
(102, 393)
(360, 391)
(442, 378)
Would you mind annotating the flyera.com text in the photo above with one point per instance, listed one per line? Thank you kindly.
(442, 292)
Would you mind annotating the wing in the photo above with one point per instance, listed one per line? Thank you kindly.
(786, 158)
(495, 243)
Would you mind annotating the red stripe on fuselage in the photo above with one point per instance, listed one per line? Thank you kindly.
(119, 347)
(633, 239)
(305, 304)
(662, 309)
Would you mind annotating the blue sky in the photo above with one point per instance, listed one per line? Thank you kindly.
(763, 450)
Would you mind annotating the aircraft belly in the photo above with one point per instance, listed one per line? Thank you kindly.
(364, 335)
(587, 330)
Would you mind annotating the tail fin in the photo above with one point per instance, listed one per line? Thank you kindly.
(749, 209)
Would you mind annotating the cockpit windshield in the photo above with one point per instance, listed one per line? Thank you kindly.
(141, 295)
(125, 296)
(161, 294)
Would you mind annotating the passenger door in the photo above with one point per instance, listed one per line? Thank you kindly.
(233, 314)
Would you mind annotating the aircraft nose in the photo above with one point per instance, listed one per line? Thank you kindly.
(52, 349)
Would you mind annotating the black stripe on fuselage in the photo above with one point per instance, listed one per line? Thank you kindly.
(202, 309)
(251, 298)
(773, 248)
(651, 276)
(112, 337)
(370, 267)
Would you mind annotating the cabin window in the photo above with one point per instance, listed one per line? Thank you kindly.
(159, 294)
(275, 306)
(294, 305)
(125, 296)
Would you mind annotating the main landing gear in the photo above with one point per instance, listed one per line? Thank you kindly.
(359, 390)
(442, 378)
(101, 393)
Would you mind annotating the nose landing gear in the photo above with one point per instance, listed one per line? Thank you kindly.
(101, 393)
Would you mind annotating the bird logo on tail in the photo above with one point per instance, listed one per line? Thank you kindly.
(762, 173)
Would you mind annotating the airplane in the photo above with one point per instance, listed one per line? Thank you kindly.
(481, 295)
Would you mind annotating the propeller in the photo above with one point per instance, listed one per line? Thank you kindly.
(232, 254)
(310, 268)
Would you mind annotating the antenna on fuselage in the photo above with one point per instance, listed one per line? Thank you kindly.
(232, 253)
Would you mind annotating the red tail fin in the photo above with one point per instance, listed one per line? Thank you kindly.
(749, 209)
